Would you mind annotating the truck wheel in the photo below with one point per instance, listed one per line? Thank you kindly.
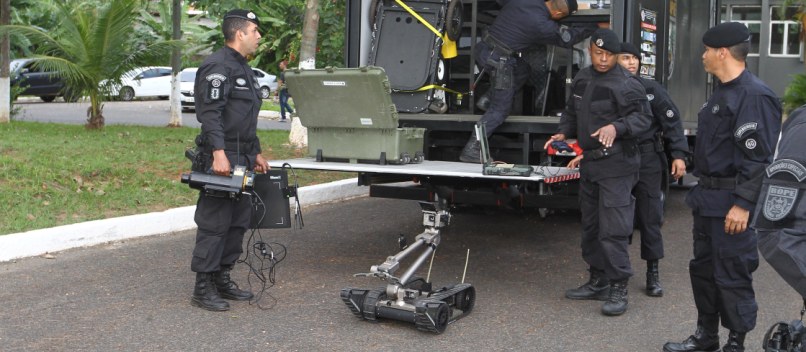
(126, 93)
(453, 20)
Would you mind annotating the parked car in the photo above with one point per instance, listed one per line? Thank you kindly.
(46, 85)
(268, 82)
(187, 79)
(149, 81)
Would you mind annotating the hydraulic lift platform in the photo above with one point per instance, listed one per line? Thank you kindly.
(407, 297)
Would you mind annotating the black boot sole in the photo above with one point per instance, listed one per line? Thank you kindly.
(651, 293)
(199, 304)
(235, 298)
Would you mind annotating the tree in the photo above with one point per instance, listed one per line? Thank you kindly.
(307, 52)
(91, 44)
(5, 81)
(795, 94)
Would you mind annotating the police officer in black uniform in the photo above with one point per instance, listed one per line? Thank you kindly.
(736, 134)
(519, 25)
(780, 217)
(606, 111)
(666, 126)
(228, 100)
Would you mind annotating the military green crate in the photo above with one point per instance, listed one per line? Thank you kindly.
(350, 116)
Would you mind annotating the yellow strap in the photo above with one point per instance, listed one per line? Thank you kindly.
(424, 22)
(432, 86)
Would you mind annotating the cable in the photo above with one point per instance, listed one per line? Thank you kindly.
(262, 259)
(298, 221)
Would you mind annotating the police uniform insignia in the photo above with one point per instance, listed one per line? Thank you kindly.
(789, 166)
(779, 201)
(240, 81)
(215, 80)
(715, 109)
(750, 143)
(669, 113)
(599, 42)
(565, 35)
(251, 15)
(651, 97)
(744, 129)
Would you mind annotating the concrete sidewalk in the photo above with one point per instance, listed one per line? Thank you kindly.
(38, 242)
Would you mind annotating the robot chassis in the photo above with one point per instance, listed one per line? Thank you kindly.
(412, 299)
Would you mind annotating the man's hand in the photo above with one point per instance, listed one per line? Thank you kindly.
(261, 164)
(736, 220)
(556, 137)
(678, 168)
(606, 135)
(221, 164)
(574, 163)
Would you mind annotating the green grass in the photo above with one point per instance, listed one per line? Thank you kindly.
(55, 174)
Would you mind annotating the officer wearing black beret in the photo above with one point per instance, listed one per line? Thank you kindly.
(606, 111)
(520, 25)
(666, 127)
(737, 131)
(227, 98)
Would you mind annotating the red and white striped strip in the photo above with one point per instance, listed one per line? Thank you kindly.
(561, 178)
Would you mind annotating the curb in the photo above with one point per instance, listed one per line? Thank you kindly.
(90, 233)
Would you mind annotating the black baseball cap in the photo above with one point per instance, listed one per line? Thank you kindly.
(726, 34)
(243, 14)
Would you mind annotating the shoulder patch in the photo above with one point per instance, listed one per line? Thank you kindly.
(779, 202)
(744, 129)
(216, 76)
(789, 166)
(670, 113)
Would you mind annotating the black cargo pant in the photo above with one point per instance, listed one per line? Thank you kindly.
(221, 223)
(500, 99)
(722, 273)
(649, 204)
(607, 207)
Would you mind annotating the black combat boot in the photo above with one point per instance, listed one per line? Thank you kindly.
(471, 153)
(597, 288)
(653, 287)
(205, 294)
(705, 338)
(735, 342)
(227, 288)
(616, 304)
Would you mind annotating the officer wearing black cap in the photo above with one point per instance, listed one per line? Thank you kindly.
(606, 111)
(519, 25)
(227, 99)
(666, 126)
(737, 131)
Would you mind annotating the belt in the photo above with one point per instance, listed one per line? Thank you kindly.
(726, 183)
(497, 45)
(603, 152)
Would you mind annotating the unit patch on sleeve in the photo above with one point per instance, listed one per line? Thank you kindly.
(215, 81)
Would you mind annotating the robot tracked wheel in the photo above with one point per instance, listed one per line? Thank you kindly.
(412, 299)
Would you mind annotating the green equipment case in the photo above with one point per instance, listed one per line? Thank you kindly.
(350, 116)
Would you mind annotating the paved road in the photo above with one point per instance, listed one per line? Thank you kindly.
(139, 112)
(134, 296)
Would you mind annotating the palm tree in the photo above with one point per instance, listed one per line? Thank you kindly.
(91, 44)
